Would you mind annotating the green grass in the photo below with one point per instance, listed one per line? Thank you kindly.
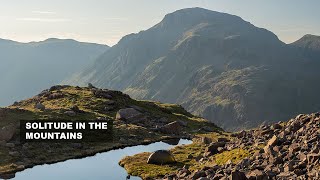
(93, 108)
(234, 155)
(137, 165)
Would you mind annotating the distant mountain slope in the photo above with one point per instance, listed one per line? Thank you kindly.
(216, 65)
(26, 68)
(310, 45)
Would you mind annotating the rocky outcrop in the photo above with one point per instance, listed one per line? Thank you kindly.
(40, 106)
(127, 114)
(101, 93)
(161, 157)
(7, 132)
(282, 151)
(171, 128)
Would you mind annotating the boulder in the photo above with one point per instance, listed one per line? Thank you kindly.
(127, 114)
(161, 157)
(100, 93)
(213, 147)
(273, 141)
(198, 174)
(237, 175)
(58, 87)
(55, 96)
(7, 132)
(183, 173)
(40, 106)
(171, 128)
(294, 148)
(205, 140)
(76, 109)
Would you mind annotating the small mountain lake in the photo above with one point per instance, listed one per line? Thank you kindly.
(101, 166)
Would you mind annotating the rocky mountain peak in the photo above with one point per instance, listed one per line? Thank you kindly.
(308, 41)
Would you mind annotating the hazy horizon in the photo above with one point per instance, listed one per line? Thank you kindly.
(105, 22)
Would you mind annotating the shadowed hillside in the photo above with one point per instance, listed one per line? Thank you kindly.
(216, 65)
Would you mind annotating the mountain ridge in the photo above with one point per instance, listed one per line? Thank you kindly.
(35, 65)
(216, 65)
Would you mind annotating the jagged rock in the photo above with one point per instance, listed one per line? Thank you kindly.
(171, 128)
(218, 177)
(213, 147)
(40, 106)
(55, 96)
(7, 132)
(127, 114)
(294, 148)
(161, 157)
(102, 94)
(244, 163)
(76, 109)
(58, 87)
(205, 140)
(198, 174)
(257, 175)
(285, 175)
(312, 158)
(273, 141)
(288, 166)
(183, 173)
(276, 126)
(237, 175)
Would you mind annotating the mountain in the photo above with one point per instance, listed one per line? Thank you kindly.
(310, 44)
(216, 65)
(27, 68)
(133, 123)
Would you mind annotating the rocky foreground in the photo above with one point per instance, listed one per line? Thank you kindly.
(287, 150)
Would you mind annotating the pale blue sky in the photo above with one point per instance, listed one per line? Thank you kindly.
(106, 21)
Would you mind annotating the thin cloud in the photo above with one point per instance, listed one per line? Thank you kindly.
(298, 29)
(44, 12)
(52, 20)
(116, 19)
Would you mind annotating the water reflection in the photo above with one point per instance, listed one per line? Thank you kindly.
(100, 166)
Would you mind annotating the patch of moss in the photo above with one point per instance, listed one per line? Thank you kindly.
(137, 165)
(234, 155)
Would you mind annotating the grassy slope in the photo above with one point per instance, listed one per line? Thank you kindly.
(93, 107)
(136, 165)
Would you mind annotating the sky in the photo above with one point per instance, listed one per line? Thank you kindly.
(106, 21)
